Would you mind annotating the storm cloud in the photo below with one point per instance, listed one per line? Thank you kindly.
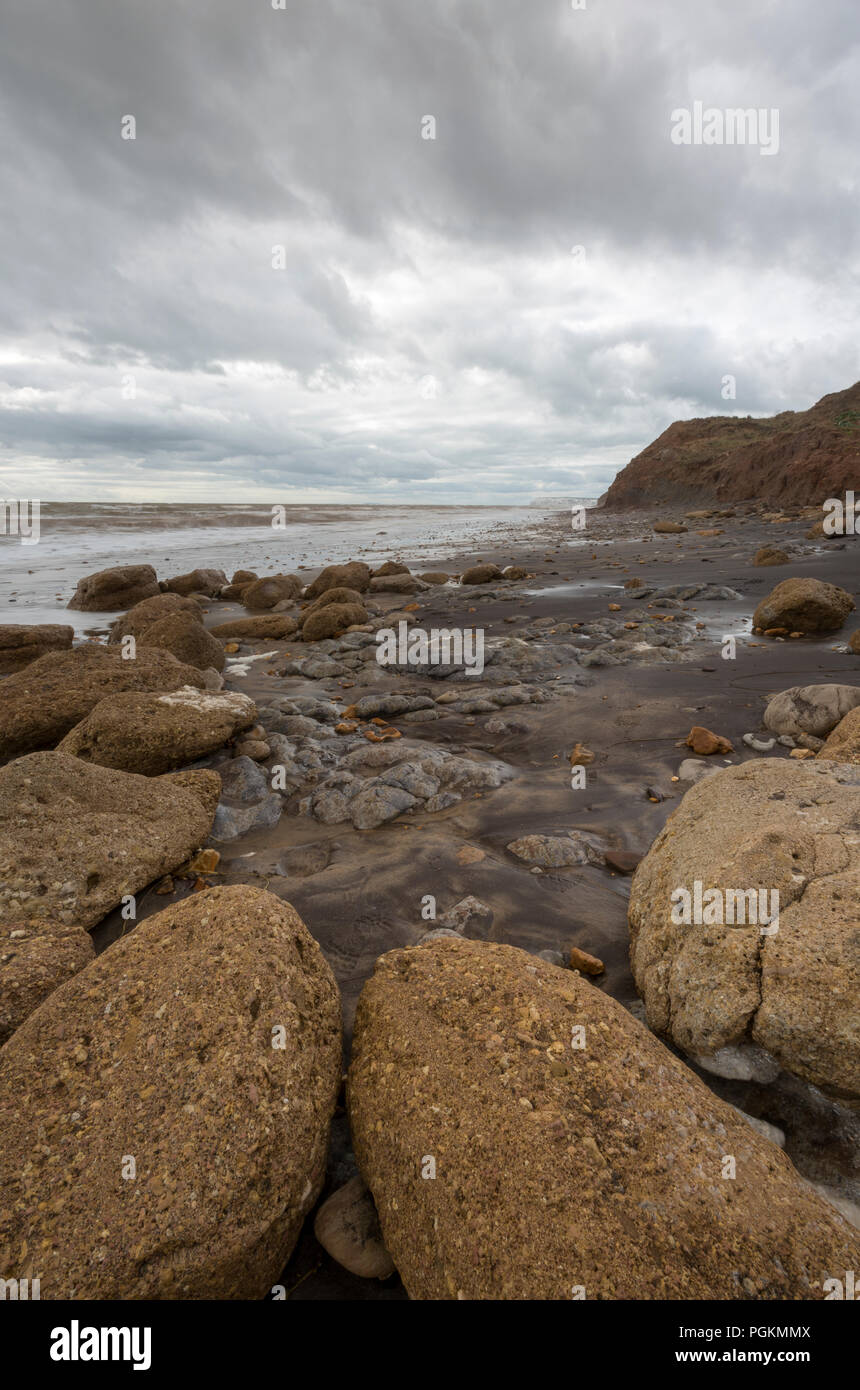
(280, 289)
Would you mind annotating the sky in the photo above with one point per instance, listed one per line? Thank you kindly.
(429, 251)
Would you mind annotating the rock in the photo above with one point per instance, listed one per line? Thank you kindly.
(515, 572)
(377, 803)
(470, 854)
(480, 574)
(467, 913)
(634, 583)
(760, 745)
(74, 838)
(745, 1062)
(390, 567)
(36, 957)
(254, 748)
(338, 595)
(275, 589)
(185, 637)
(138, 619)
(50, 696)
(843, 744)
(804, 605)
(111, 589)
(347, 1228)
(228, 1131)
(353, 575)
(332, 620)
(768, 1131)
(693, 771)
(557, 852)
(770, 555)
(244, 577)
(269, 626)
(395, 584)
(371, 705)
(810, 709)
(703, 742)
(22, 643)
(669, 528)
(152, 734)
(435, 577)
(623, 861)
(209, 582)
(584, 963)
(854, 642)
(508, 1164)
(580, 756)
(764, 825)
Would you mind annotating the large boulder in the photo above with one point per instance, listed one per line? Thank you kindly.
(524, 1137)
(202, 581)
(804, 605)
(75, 839)
(36, 957)
(269, 626)
(390, 567)
(770, 555)
(330, 596)
(331, 620)
(109, 590)
(152, 734)
(21, 643)
(480, 574)
(353, 575)
(185, 637)
(50, 696)
(135, 622)
(170, 1146)
(843, 744)
(396, 584)
(275, 589)
(771, 825)
(810, 709)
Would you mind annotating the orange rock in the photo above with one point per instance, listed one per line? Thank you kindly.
(703, 742)
(346, 726)
(580, 755)
(470, 854)
(615, 607)
(583, 962)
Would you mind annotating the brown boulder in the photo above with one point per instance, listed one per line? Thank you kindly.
(353, 575)
(332, 620)
(668, 528)
(481, 574)
(745, 834)
(153, 734)
(804, 605)
(770, 555)
(108, 590)
(135, 622)
(244, 577)
(185, 637)
(435, 577)
(854, 642)
(347, 1228)
(515, 572)
(275, 589)
(36, 957)
(273, 626)
(390, 567)
(214, 1072)
(524, 1137)
(843, 745)
(703, 742)
(203, 581)
(22, 643)
(75, 839)
(50, 696)
(330, 596)
(395, 584)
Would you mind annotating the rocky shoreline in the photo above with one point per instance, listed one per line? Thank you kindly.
(224, 821)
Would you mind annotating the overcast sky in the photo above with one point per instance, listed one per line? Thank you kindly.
(515, 307)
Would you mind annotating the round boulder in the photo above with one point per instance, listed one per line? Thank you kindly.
(189, 1120)
(353, 575)
(524, 1137)
(108, 590)
(804, 605)
(185, 637)
(275, 589)
(331, 620)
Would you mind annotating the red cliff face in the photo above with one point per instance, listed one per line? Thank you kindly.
(796, 458)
